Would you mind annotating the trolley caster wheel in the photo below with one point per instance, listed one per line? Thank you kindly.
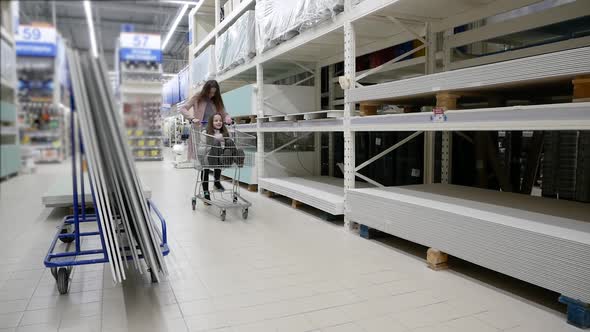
(222, 215)
(54, 273)
(66, 230)
(245, 214)
(153, 277)
(194, 203)
(63, 280)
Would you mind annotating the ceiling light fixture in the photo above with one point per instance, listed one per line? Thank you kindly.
(173, 27)
(181, 2)
(88, 11)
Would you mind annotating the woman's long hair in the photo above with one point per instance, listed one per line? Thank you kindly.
(204, 95)
(211, 130)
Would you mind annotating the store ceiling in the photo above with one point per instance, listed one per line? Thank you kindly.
(147, 15)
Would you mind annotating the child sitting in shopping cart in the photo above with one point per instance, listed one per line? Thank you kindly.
(219, 152)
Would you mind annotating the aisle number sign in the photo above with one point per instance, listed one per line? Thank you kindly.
(33, 40)
(140, 47)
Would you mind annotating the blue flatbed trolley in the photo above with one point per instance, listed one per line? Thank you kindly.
(69, 232)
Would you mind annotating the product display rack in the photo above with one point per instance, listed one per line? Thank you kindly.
(144, 129)
(44, 104)
(444, 36)
(10, 163)
(140, 93)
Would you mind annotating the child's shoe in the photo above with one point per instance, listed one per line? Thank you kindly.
(207, 198)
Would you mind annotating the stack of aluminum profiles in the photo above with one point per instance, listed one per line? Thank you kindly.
(121, 206)
(542, 241)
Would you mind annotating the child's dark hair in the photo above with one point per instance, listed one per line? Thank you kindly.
(211, 129)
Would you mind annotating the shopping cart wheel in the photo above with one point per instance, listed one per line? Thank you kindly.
(245, 214)
(194, 203)
(63, 280)
(153, 276)
(222, 215)
(68, 229)
(54, 272)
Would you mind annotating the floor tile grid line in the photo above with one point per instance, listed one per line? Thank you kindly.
(31, 297)
(458, 318)
(316, 280)
(334, 307)
(272, 301)
(304, 297)
(178, 303)
(490, 325)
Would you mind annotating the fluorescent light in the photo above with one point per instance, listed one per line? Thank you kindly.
(181, 2)
(173, 27)
(88, 11)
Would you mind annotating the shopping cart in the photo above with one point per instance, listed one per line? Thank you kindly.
(214, 154)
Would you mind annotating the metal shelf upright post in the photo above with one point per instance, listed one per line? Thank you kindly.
(349, 108)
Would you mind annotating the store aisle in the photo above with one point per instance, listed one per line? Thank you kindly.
(282, 270)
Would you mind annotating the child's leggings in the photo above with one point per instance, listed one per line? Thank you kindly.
(205, 177)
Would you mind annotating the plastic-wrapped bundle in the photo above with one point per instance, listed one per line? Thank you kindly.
(183, 84)
(279, 20)
(8, 61)
(203, 66)
(237, 45)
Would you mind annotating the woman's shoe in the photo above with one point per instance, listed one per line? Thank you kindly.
(218, 186)
(207, 197)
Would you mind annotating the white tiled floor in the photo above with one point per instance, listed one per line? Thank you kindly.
(282, 270)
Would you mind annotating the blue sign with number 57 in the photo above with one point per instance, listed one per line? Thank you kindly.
(136, 46)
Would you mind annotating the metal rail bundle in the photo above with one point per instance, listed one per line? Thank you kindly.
(124, 218)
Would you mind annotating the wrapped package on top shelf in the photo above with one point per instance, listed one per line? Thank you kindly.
(8, 61)
(203, 66)
(279, 20)
(183, 84)
(236, 45)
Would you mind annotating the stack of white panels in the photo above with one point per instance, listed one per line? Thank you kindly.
(543, 241)
(123, 214)
(60, 194)
(237, 45)
(535, 68)
(322, 192)
(203, 66)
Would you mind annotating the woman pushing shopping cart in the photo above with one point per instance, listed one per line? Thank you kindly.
(218, 148)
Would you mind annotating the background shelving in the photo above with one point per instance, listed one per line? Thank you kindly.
(43, 100)
(140, 99)
(9, 133)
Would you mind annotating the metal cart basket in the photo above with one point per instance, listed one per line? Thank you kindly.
(213, 154)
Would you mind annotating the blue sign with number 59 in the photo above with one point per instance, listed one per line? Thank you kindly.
(34, 40)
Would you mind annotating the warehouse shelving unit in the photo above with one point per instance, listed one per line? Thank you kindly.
(370, 25)
(9, 147)
(455, 54)
(43, 97)
(140, 95)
